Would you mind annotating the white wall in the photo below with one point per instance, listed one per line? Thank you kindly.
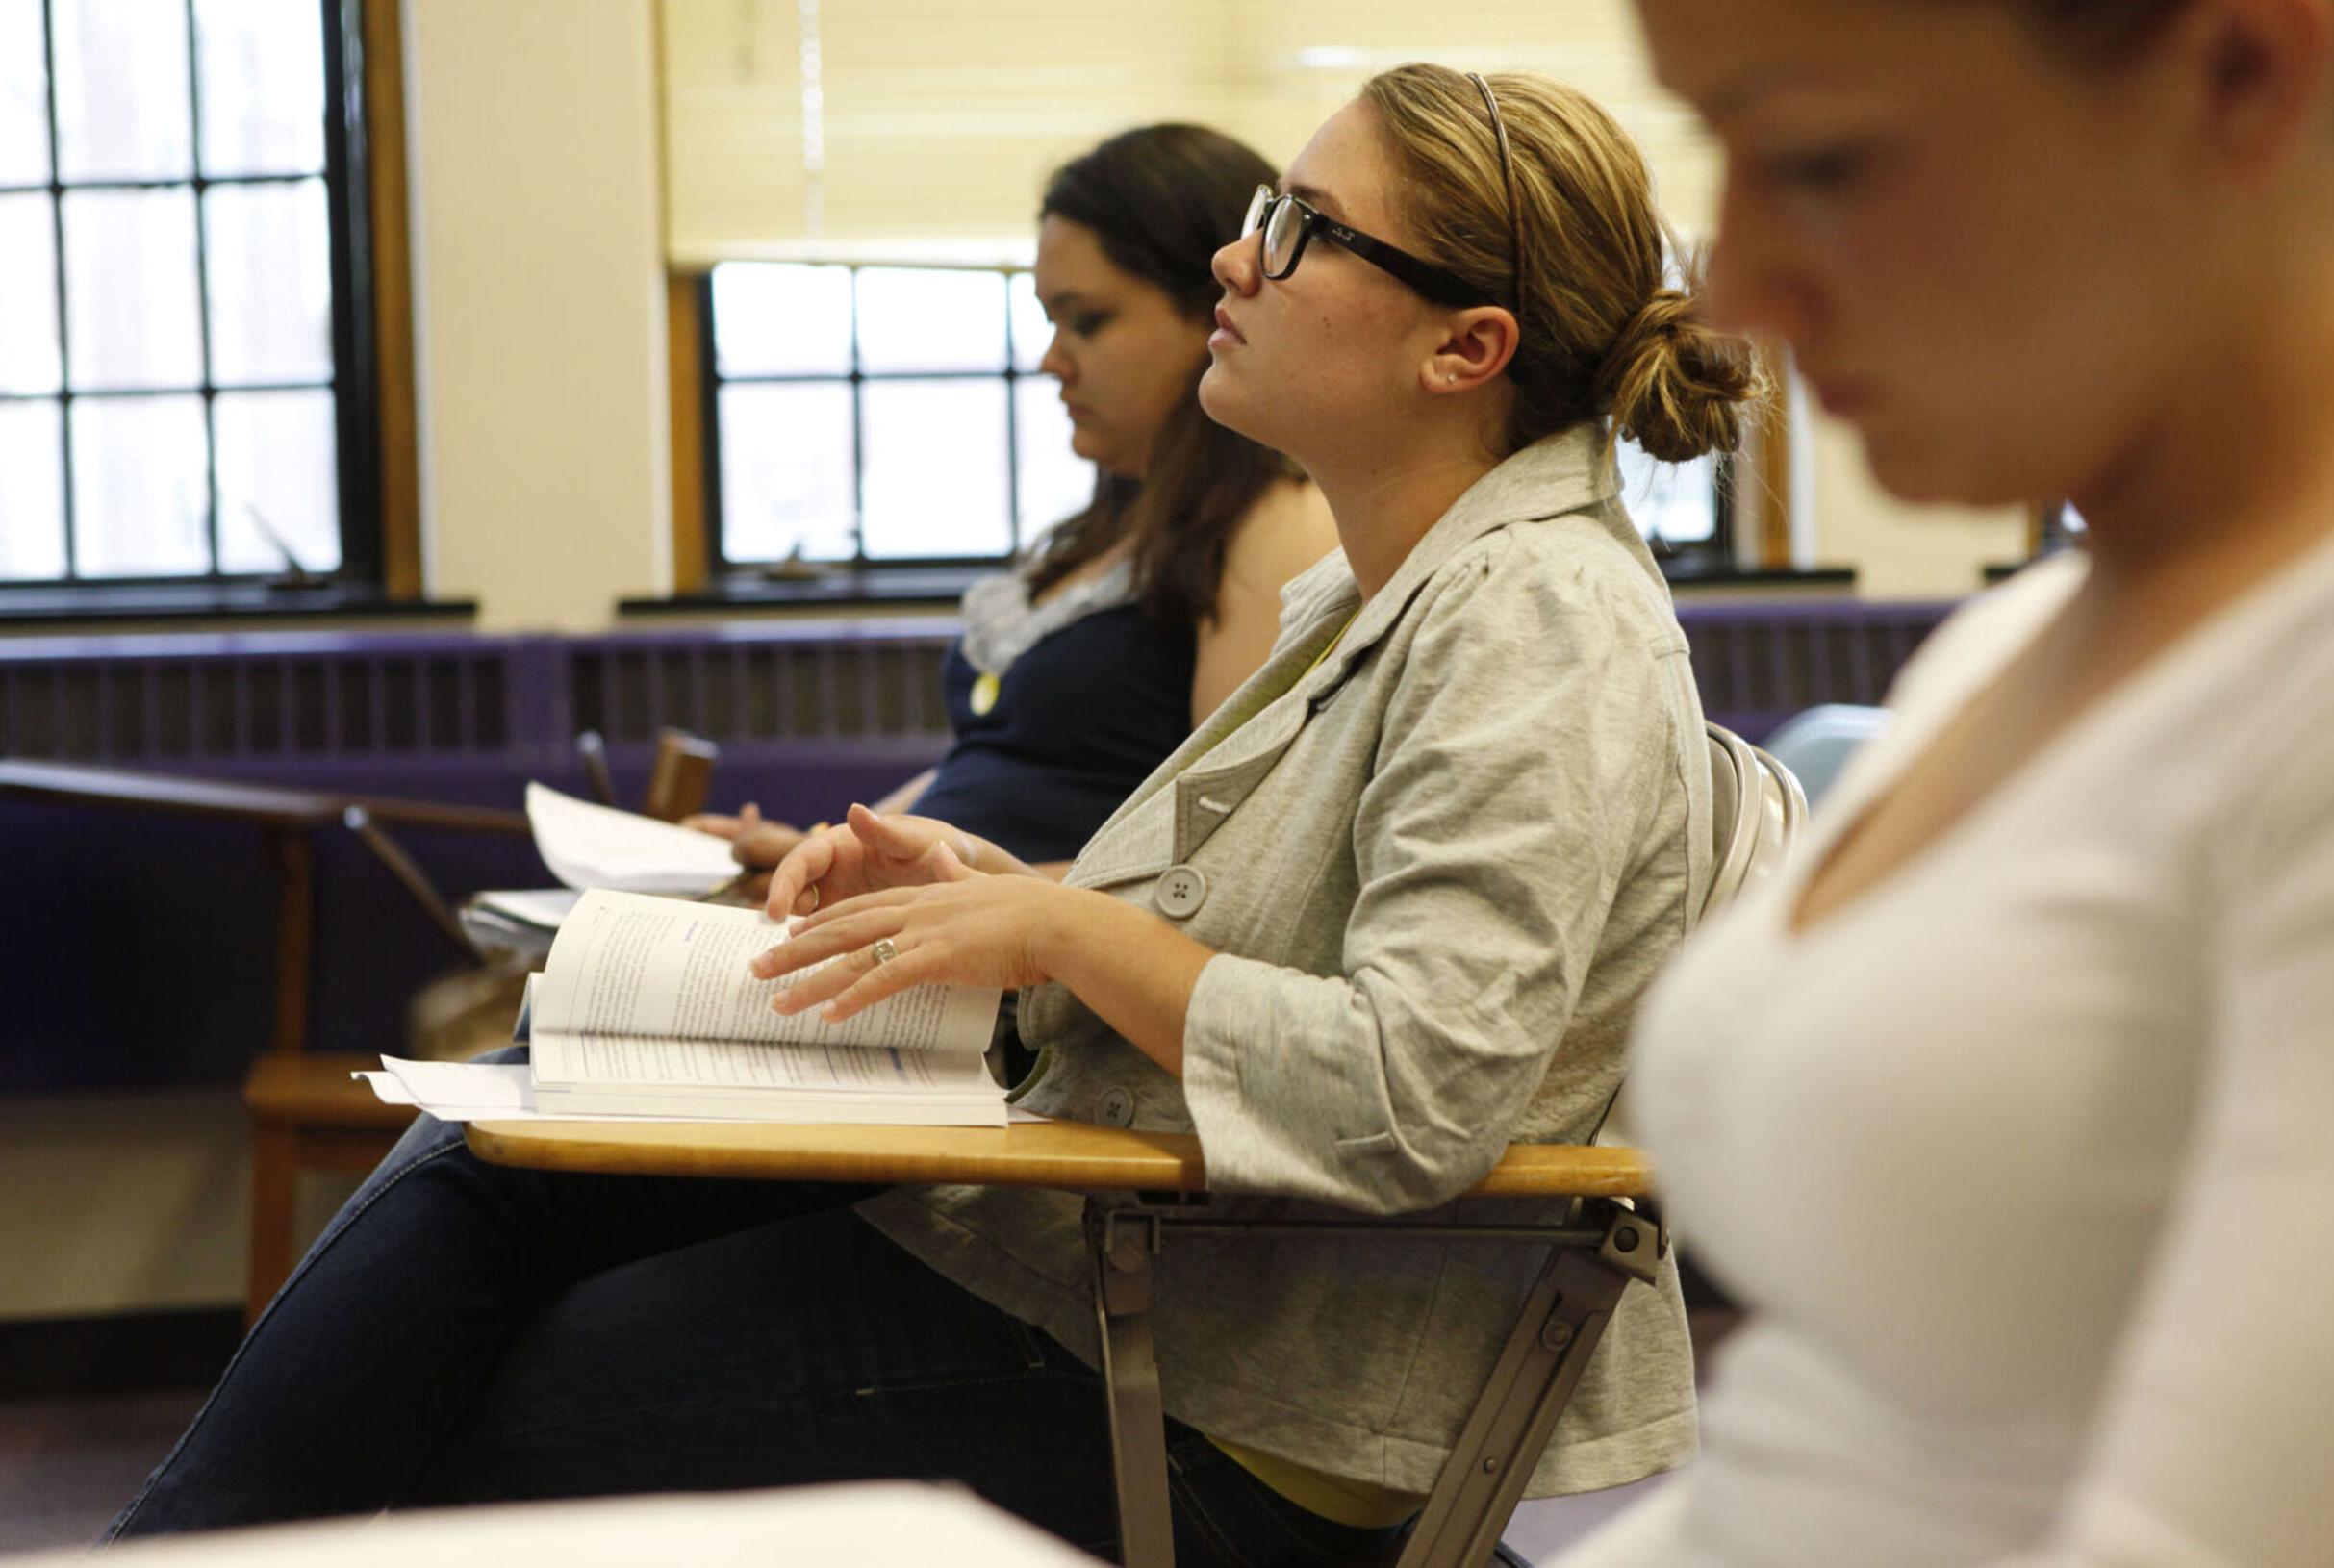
(539, 331)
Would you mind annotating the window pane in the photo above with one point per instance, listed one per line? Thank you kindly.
(1675, 501)
(278, 461)
(1031, 331)
(28, 283)
(772, 319)
(24, 103)
(32, 494)
(263, 79)
(121, 90)
(935, 480)
(1055, 482)
(130, 289)
(270, 278)
(786, 471)
(141, 490)
(920, 318)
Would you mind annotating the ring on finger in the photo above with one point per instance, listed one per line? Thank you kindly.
(884, 950)
(813, 891)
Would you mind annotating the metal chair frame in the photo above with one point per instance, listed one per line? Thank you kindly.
(1595, 1252)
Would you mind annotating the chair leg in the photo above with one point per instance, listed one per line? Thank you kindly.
(1123, 1244)
(1556, 1333)
(274, 1188)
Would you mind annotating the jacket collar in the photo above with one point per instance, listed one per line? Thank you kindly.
(1565, 471)
(1561, 473)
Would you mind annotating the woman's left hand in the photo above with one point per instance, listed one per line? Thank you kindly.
(988, 930)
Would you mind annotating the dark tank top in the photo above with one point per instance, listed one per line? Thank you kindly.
(1082, 717)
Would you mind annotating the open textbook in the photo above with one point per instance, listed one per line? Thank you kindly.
(647, 1007)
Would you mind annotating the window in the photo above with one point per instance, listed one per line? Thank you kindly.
(180, 376)
(886, 416)
(882, 414)
(1679, 507)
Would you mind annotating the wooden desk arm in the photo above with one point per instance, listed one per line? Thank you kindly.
(1071, 1156)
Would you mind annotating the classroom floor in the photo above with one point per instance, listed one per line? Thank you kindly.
(67, 1465)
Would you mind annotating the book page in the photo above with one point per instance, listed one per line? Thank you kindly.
(644, 1064)
(631, 978)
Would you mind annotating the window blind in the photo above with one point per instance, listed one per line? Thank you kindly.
(925, 129)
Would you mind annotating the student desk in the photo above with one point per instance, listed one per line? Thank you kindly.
(305, 1110)
(286, 821)
(1142, 1187)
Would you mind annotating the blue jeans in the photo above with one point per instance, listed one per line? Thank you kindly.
(468, 1332)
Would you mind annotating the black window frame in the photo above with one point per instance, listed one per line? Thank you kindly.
(1710, 557)
(718, 562)
(354, 383)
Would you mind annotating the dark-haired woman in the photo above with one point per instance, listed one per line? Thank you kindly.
(1081, 668)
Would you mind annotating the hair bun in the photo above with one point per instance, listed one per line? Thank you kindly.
(1659, 316)
(1673, 384)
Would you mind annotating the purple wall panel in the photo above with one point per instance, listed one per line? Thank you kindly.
(137, 948)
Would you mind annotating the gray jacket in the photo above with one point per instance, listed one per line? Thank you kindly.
(1438, 868)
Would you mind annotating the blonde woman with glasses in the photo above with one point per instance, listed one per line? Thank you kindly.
(1391, 907)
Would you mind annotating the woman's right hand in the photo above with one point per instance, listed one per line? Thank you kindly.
(755, 842)
(867, 852)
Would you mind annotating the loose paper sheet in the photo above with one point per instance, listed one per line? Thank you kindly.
(589, 846)
(497, 1092)
(542, 908)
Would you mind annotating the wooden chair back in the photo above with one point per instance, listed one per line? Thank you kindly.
(681, 777)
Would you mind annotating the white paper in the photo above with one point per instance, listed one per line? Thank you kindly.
(589, 846)
(857, 1524)
(494, 1085)
(542, 908)
(475, 1092)
(501, 1092)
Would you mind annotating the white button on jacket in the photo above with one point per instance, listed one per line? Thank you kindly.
(1182, 892)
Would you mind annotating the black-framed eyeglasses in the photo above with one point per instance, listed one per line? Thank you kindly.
(1289, 225)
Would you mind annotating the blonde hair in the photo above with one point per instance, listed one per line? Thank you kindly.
(1601, 333)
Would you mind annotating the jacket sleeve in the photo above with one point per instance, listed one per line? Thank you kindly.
(1522, 759)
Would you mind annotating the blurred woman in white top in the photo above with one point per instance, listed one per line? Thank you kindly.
(2011, 1107)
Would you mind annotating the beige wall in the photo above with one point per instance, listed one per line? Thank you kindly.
(540, 340)
(541, 337)
(135, 1202)
(1899, 551)
(121, 1202)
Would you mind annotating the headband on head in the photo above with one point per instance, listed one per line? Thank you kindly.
(1515, 210)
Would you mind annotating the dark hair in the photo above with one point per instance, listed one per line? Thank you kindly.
(1161, 200)
(2099, 31)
